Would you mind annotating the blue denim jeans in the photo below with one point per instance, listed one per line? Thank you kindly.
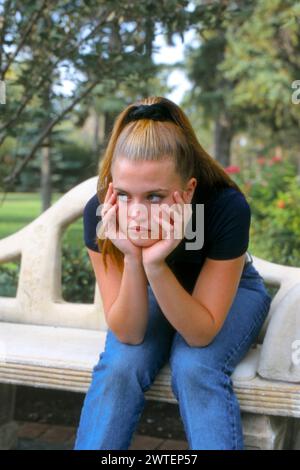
(200, 376)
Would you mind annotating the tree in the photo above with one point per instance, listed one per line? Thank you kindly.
(100, 46)
(242, 72)
(203, 62)
(262, 57)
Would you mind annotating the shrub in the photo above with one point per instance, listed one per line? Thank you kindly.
(272, 188)
(78, 279)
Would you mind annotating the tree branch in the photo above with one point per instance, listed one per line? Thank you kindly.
(3, 28)
(40, 83)
(35, 16)
(10, 178)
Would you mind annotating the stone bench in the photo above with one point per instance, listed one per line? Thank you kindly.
(50, 343)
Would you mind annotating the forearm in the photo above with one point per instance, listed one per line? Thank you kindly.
(184, 312)
(128, 316)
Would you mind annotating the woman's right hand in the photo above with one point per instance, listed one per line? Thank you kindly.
(109, 219)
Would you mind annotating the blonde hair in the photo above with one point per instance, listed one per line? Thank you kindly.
(147, 140)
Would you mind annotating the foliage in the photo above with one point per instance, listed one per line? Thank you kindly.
(272, 188)
(96, 46)
(262, 59)
(242, 67)
(78, 279)
(9, 274)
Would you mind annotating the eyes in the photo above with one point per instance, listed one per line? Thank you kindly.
(157, 196)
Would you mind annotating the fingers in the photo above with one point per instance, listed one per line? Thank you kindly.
(106, 225)
(165, 224)
(108, 193)
(109, 221)
(165, 221)
(109, 214)
(174, 218)
(187, 207)
(110, 198)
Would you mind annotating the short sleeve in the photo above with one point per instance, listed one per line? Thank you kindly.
(229, 226)
(90, 222)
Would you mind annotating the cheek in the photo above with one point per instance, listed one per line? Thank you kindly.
(122, 216)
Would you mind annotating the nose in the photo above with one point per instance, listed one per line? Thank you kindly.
(134, 211)
(137, 213)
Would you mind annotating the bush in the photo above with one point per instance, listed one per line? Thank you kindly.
(9, 275)
(272, 188)
(78, 279)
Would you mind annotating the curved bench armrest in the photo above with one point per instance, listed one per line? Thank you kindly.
(280, 352)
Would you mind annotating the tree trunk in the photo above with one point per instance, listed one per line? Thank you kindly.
(223, 135)
(46, 189)
(96, 140)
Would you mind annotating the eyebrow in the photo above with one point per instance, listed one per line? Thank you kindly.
(147, 192)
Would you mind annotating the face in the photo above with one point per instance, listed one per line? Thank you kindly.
(140, 188)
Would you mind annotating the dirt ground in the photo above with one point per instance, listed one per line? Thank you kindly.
(63, 408)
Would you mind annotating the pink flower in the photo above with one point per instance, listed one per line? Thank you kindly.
(232, 169)
(276, 159)
(261, 160)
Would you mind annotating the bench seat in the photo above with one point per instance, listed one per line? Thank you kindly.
(63, 358)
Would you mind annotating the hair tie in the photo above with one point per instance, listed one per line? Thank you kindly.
(155, 111)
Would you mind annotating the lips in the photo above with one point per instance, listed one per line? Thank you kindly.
(138, 228)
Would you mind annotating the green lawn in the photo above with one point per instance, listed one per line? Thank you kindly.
(19, 209)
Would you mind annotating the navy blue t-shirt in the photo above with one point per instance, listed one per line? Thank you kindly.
(227, 218)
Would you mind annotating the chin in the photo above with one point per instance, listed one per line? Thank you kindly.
(144, 242)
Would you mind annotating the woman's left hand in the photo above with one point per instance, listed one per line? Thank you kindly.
(174, 230)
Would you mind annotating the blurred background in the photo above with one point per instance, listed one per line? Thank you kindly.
(67, 68)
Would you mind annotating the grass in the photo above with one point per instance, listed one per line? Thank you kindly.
(16, 212)
(19, 209)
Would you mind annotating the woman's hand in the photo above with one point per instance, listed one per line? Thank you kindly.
(111, 229)
(156, 254)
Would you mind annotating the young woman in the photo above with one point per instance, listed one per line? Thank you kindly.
(199, 306)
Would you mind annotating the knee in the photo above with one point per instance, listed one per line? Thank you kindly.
(203, 379)
(115, 364)
(121, 367)
(192, 368)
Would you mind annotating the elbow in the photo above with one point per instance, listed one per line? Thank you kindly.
(199, 344)
(131, 342)
(123, 338)
(206, 335)
(136, 343)
(201, 341)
